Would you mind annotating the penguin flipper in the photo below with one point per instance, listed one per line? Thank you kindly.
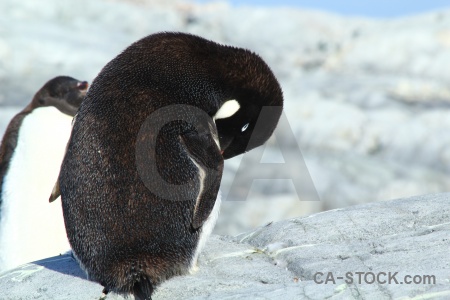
(206, 155)
(55, 193)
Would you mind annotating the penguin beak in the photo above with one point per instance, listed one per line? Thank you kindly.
(224, 143)
(83, 85)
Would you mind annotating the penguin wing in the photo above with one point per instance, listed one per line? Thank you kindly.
(55, 193)
(205, 154)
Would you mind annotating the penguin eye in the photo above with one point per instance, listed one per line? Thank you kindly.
(244, 128)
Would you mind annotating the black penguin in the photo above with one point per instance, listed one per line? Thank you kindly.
(129, 229)
(31, 153)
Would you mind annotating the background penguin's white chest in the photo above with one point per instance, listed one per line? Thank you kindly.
(31, 228)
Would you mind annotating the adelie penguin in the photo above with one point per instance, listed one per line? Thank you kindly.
(31, 153)
(131, 229)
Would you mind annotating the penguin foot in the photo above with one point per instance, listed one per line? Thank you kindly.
(104, 293)
(143, 289)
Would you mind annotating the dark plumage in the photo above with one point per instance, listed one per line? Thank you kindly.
(129, 237)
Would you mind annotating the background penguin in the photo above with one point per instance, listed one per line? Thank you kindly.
(31, 153)
(126, 236)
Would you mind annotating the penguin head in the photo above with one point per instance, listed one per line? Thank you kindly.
(240, 128)
(250, 117)
(63, 92)
(232, 85)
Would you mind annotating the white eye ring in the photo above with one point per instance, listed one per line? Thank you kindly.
(244, 128)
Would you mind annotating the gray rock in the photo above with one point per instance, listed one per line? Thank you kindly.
(405, 237)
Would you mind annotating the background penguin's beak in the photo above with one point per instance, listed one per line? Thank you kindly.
(82, 85)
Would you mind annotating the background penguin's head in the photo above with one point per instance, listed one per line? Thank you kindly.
(63, 92)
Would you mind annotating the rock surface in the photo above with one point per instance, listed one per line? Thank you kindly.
(279, 261)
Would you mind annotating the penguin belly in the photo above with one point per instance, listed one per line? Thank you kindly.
(31, 228)
(206, 231)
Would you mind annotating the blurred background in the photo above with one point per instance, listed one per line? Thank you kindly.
(366, 85)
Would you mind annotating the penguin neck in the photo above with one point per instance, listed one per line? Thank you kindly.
(43, 133)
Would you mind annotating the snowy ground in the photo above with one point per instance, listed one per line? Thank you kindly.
(368, 100)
